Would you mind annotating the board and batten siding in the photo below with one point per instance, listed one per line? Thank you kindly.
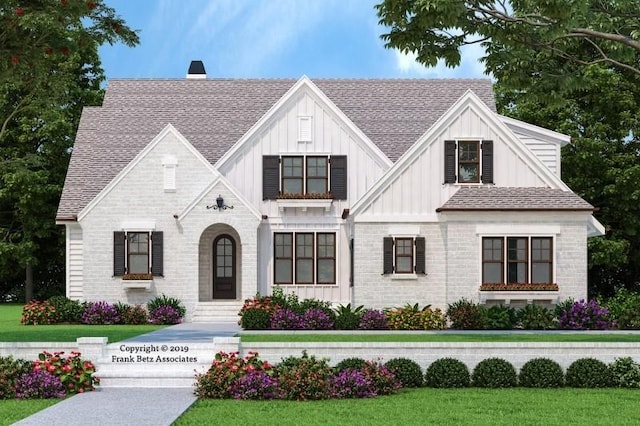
(419, 189)
(75, 261)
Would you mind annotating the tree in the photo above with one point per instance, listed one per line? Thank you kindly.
(49, 70)
(518, 35)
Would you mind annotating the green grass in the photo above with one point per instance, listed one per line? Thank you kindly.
(12, 331)
(442, 337)
(433, 407)
(12, 410)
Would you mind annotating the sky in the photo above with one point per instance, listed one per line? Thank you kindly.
(265, 39)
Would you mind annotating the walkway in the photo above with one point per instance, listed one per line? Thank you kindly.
(128, 406)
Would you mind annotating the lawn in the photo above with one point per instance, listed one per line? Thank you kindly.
(12, 410)
(444, 337)
(12, 331)
(471, 406)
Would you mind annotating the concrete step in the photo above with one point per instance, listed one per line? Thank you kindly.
(214, 312)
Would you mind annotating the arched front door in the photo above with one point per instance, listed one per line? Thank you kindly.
(224, 267)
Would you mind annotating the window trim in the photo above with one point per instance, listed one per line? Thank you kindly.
(294, 258)
(284, 177)
(460, 162)
(325, 179)
(529, 258)
(397, 256)
(333, 258)
(298, 257)
(129, 252)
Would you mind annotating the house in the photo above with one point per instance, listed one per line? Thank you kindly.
(367, 191)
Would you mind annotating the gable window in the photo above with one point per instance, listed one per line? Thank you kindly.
(526, 260)
(404, 255)
(137, 253)
(298, 176)
(468, 161)
(309, 257)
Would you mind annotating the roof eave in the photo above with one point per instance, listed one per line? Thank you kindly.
(494, 209)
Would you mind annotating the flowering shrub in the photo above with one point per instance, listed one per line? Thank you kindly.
(165, 315)
(100, 313)
(11, 370)
(39, 384)
(163, 300)
(286, 319)
(67, 310)
(383, 379)
(624, 306)
(35, 312)
(351, 383)
(226, 368)
(304, 378)
(256, 312)
(256, 384)
(625, 373)
(76, 374)
(518, 287)
(466, 315)
(411, 317)
(372, 319)
(133, 315)
(585, 316)
(316, 319)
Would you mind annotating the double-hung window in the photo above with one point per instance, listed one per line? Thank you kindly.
(468, 161)
(404, 255)
(305, 175)
(304, 258)
(517, 260)
(137, 253)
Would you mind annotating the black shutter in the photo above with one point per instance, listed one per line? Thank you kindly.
(351, 262)
(338, 164)
(387, 263)
(449, 161)
(119, 240)
(157, 269)
(270, 177)
(487, 161)
(420, 256)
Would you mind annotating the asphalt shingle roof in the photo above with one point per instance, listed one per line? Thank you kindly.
(502, 198)
(213, 114)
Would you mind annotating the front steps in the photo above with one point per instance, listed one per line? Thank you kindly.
(217, 312)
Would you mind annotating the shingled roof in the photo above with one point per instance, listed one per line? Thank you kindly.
(213, 114)
(514, 199)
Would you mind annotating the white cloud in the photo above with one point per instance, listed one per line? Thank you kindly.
(470, 65)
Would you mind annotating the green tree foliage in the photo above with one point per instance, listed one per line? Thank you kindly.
(49, 70)
(571, 66)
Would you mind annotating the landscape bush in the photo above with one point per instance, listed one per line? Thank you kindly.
(132, 315)
(67, 310)
(348, 318)
(383, 380)
(75, 373)
(624, 307)
(351, 383)
(499, 317)
(625, 373)
(494, 373)
(304, 378)
(286, 319)
(317, 319)
(535, 317)
(465, 315)
(352, 363)
(541, 373)
(163, 300)
(256, 385)
(100, 313)
(255, 319)
(411, 317)
(38, 313)
(165, 314)
(10, 371)
(447, 373)
(373, 319)
(39, 384)
(584, 316)
(588, 373)
(407, 371)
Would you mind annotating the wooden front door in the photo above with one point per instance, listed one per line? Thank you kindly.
(224, 267)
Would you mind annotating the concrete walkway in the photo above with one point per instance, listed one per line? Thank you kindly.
(133, 406)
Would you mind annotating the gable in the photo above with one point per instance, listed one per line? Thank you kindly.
(414, 187)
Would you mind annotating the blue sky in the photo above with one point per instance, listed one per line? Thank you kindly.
(264, 38)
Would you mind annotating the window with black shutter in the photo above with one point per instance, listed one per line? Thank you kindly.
(157, 268)
(138, 255)
(487, 162)
(404, 255)
(468, 161)
(119, 240)
(339, 177)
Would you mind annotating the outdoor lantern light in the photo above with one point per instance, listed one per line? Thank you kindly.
(220, 205)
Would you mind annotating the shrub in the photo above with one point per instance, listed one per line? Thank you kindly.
(352, 363)
(625, 308)
(351, 383)
(165, 314)
(163, 300)
(67, 310)
(255, 319)
(373, 319)
(465, 315)
(12, 369)
(563, 306)
(285, 301)
(35, 313)
(134, 315)
(285, 319)
(447, 373)
(225, 369)
(499, 317)
(407, 371)
(535, 317)
(304, 378)
(100, 313)
(588, 373)
(316, 319)
(256, 384)
(348, 318)
(411, 317)
(494, 373)
(39, 384)
(585, 316)
(383, 379)
(75, 373)
(308, 304)
(541, 373)
(625, 373)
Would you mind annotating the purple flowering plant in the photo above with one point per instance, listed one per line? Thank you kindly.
(165, 314)
(100, 313)
(373, 319)
(286, 319)
(585, 316)
(316, 319)
(256, 385)
(352, 383)
(39, 384)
